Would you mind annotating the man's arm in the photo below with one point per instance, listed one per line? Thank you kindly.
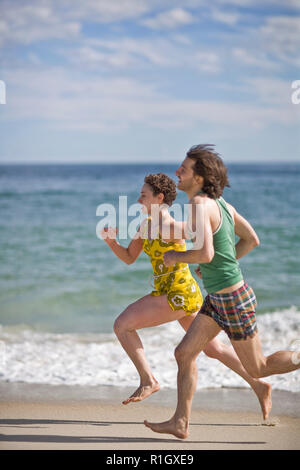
(171, 229)
(203, 250)
(248, 237)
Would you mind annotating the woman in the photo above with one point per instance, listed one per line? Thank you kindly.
(176, 295)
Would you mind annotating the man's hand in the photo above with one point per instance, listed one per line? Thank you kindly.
(169, 258)
(198, 272)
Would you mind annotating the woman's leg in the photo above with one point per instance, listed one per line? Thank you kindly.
(216, 349)
(146, 312)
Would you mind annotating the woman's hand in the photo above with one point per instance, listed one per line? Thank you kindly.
(109, 234)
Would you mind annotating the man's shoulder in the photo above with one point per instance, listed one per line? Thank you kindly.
(198, 199)
(229, 207)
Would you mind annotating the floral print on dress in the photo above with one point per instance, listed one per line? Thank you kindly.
(175, 281)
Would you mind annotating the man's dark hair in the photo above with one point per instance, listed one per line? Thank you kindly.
(210, 166)
(161, 183)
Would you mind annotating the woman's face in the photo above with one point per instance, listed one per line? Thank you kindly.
(147, 199)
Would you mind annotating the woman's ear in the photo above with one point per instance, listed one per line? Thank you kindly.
(161, 198)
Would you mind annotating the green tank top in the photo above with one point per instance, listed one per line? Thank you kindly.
(224, 270)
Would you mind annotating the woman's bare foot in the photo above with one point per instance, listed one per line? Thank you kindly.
(142, 392)
(263, 391)
(178, 428)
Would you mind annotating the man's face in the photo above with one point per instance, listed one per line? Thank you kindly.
(186, 176)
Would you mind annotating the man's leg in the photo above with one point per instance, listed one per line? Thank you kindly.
(216, 349)
(202, 330)
(257, 365)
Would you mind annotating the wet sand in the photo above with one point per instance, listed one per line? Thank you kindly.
(36, 417)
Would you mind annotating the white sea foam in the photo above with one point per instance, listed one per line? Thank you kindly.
(94, 359)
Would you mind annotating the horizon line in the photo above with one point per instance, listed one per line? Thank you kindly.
(116, 162)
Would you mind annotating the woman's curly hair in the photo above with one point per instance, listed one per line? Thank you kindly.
(210, 166)
(161, 183)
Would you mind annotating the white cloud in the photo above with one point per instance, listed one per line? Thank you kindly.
(281, 36)
(265, 3)
(94, 58)
(181, 39)
(270, 91)
(65, 101)
(170, 19)
(47, 19)
(105, 11)
(225, 17)
(206, 61)
(254, 59)
(272, 46)
(140, 53)
(123, 53)
(26, 24)
(289, 3)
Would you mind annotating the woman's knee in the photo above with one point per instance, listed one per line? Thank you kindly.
(126, 321)
(120, 324)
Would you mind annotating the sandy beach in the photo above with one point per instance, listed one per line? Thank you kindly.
(36, 417)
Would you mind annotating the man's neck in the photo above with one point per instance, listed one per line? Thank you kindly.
(193, 192)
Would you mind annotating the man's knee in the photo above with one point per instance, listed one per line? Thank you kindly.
(214, 350)
(182, 355)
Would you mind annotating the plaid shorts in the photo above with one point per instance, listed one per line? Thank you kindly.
(234, 312)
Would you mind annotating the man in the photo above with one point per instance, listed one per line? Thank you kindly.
(230, 303)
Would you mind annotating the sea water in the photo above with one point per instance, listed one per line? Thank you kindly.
(61, 287)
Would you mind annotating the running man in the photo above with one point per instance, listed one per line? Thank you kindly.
(176, 294)
(230, 304)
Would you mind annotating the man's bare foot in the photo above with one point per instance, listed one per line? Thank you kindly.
(144, 391)
(263, 391)
(177, 428)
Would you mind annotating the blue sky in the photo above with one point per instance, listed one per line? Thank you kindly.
(141, 80)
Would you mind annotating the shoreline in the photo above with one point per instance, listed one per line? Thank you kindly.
(41, 417)
(222, 399)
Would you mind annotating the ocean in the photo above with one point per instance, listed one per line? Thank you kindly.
(61, 288)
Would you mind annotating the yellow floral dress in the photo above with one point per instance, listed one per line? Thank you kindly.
(175, 281)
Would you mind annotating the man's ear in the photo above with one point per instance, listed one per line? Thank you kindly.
(199, 179)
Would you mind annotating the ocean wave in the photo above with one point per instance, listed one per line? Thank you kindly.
(32, 356)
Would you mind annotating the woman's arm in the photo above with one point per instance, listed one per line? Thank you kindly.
(127, 255)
